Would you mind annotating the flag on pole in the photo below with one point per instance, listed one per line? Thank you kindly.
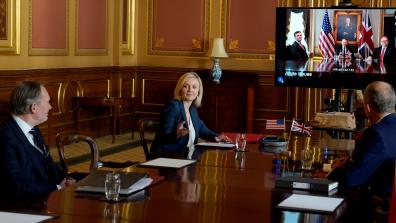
(365, 44)
(326, 38)
(275, 124)
(301, 127)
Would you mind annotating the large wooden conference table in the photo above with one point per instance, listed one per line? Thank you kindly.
(223, 186)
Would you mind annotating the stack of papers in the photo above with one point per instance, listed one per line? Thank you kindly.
(216, 144)
(311, 203)
(21, 218)
(167, 163)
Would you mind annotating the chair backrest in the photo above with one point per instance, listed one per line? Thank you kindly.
(69, 137)
(392, 212)
(147, 125)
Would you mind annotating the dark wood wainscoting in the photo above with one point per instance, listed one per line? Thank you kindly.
(242, 102)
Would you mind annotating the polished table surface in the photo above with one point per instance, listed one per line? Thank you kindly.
(223, 186)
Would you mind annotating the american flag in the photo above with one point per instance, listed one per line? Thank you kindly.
(297, 127)
(326, 38)
(275, 124)
(366, 45)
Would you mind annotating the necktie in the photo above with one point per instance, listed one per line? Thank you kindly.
(302, 47)
(36, 139)
(382, 54)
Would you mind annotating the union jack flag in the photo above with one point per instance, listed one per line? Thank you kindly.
(366, 45)
(301, 127)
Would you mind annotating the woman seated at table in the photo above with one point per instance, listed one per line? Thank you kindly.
(180, 125)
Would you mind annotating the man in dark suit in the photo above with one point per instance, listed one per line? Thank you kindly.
(372, 165)
(344, 52)
(27, 170)
(297, 49)
(385, 53)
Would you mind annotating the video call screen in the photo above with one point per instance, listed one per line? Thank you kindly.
(334, 47)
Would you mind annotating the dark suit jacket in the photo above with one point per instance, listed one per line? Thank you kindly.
(166, 143)
(297, 53)
(389, 55)
(348, 49)
(373, 160)
(25, 172)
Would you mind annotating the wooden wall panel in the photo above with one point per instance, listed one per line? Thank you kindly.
(249, 28)
(49, 38)
(92, 22)
(166, 20)
(224, 107)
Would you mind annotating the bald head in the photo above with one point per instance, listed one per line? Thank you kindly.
(380, 96)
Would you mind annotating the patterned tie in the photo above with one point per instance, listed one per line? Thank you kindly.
(39, 143)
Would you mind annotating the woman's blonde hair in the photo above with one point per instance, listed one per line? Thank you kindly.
(182, 81)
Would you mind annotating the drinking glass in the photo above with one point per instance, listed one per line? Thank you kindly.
(306, 159)
(240, 142)
(112, 186)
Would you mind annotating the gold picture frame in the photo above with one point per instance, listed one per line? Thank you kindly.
(47, 51)
(10, 26)
(128, 27)
(342, 30)
(91, 51)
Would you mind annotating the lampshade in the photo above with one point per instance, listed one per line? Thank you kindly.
(218, 48)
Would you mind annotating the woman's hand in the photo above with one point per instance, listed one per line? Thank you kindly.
(181, 130)
(341, 162)
(223, 138)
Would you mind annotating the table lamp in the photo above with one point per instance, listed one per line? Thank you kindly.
(217, 52)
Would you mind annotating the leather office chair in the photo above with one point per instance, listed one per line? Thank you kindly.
(69, 137)
(147, 125)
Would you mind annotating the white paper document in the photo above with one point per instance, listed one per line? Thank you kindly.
(216, 144)
(10, 217)
(309, 202)
(167, 162)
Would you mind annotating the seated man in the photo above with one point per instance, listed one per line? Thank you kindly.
(385, 53)
(27, 170)
(344, 52)
(372, 165)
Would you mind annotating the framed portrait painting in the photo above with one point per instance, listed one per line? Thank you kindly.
(9, 27)
(347, 26)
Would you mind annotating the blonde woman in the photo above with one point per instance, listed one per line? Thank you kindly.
(180, 125)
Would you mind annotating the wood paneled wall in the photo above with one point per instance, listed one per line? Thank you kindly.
(248, 95)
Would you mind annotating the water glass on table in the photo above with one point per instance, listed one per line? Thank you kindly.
(306, 159)
(240, 142)
(112, 186)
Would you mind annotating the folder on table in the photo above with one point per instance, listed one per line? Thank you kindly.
(167, 163)
(305, 183)
(130, 182)
(310, 203)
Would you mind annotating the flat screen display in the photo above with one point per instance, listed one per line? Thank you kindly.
(334, 47)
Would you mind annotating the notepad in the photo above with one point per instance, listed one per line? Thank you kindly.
(216, 144)
(11, 217)
(302, 202)
(167, 163)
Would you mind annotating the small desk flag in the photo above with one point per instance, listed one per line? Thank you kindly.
(275, 124)
(301, 127)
